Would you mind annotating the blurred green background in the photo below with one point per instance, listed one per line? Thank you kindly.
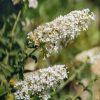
(16, 20)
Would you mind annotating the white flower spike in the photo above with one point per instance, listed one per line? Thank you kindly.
(63, 28)
(40, 82)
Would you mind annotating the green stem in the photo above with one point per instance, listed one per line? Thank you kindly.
(33, 51)
(70, 78)
(93, 95)
(29, 54)
(73, 76)
(47, 59)
(15, 24)
(90, 91)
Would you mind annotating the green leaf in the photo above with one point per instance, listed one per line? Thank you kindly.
(6, 72)
(6, 69)
(2, 77)
(3, 90)
(9, 68)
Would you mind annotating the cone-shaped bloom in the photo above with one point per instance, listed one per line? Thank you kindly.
(63, 28)
(40, 82)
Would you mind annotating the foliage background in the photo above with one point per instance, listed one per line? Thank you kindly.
(17, 20)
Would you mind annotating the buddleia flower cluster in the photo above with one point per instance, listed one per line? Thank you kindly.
(61, 30)
(40, 82)
(90, 56)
